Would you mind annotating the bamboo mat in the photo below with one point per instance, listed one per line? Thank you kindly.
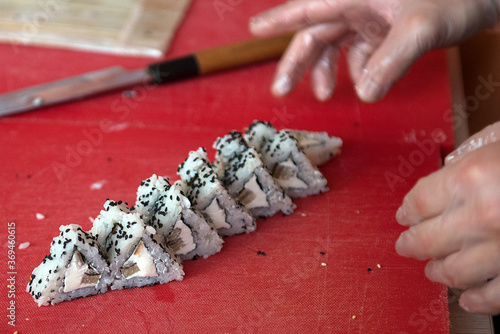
(127, 27)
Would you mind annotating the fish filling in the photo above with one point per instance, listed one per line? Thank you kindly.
(79, 274)
(139, 264)
(286, 174)
(252, 195)
(181, 240)
(217, 214)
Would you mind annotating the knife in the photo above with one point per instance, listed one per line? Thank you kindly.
(200, 63)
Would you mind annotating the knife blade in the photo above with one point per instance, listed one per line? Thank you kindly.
(204, 62)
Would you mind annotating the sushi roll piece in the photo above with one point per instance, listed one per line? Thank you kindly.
(319, 147)
(207, 194)
(134, 250)
(74, 268)
(184, 229)
(148, 193)
(244, 175)
(113, 213)
(282, 156)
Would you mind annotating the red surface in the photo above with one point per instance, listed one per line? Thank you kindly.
(51, 157)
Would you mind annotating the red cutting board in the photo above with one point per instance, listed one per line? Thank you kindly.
(52, 160)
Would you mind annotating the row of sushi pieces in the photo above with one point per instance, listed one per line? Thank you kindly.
(254, 175)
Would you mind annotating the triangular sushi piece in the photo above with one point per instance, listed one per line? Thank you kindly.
(244, 175)
(206, 193)
(104, 223)
(74, 268)
(148, 193)
(282, 156)
(319, 147)
(134, 251)
(185, 230)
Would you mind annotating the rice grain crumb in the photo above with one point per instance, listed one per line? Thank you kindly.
(24, 245)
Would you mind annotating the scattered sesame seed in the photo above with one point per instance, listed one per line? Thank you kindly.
(353, 317)
(40, 216)
(323, 264)
(303, 215)
(322, 253)
(369, 269)
(379, 266)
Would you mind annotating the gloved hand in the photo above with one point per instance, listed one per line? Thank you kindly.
(454, 219)
(384, 37)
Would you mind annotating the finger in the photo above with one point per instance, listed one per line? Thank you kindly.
(305, 50)
(436, 237)
(488, 135)
(295, 15)
(324, 73)
(428, 198)
(484, 299)
(407, 40)
(359, 53)
(470, 266)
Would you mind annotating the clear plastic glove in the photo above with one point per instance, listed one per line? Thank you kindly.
(454, 220)
(384, 37)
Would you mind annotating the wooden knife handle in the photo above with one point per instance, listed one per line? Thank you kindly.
(220, 58)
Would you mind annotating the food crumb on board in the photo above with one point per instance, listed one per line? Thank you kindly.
(24, 245)
(353, 317)
(98, 185)
(357, 211)
(379, 266)
(322, 253)
(40, 216)
(261, 253)
(323, 264)
(303, 215)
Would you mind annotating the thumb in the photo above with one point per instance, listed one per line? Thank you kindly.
(488, 135)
